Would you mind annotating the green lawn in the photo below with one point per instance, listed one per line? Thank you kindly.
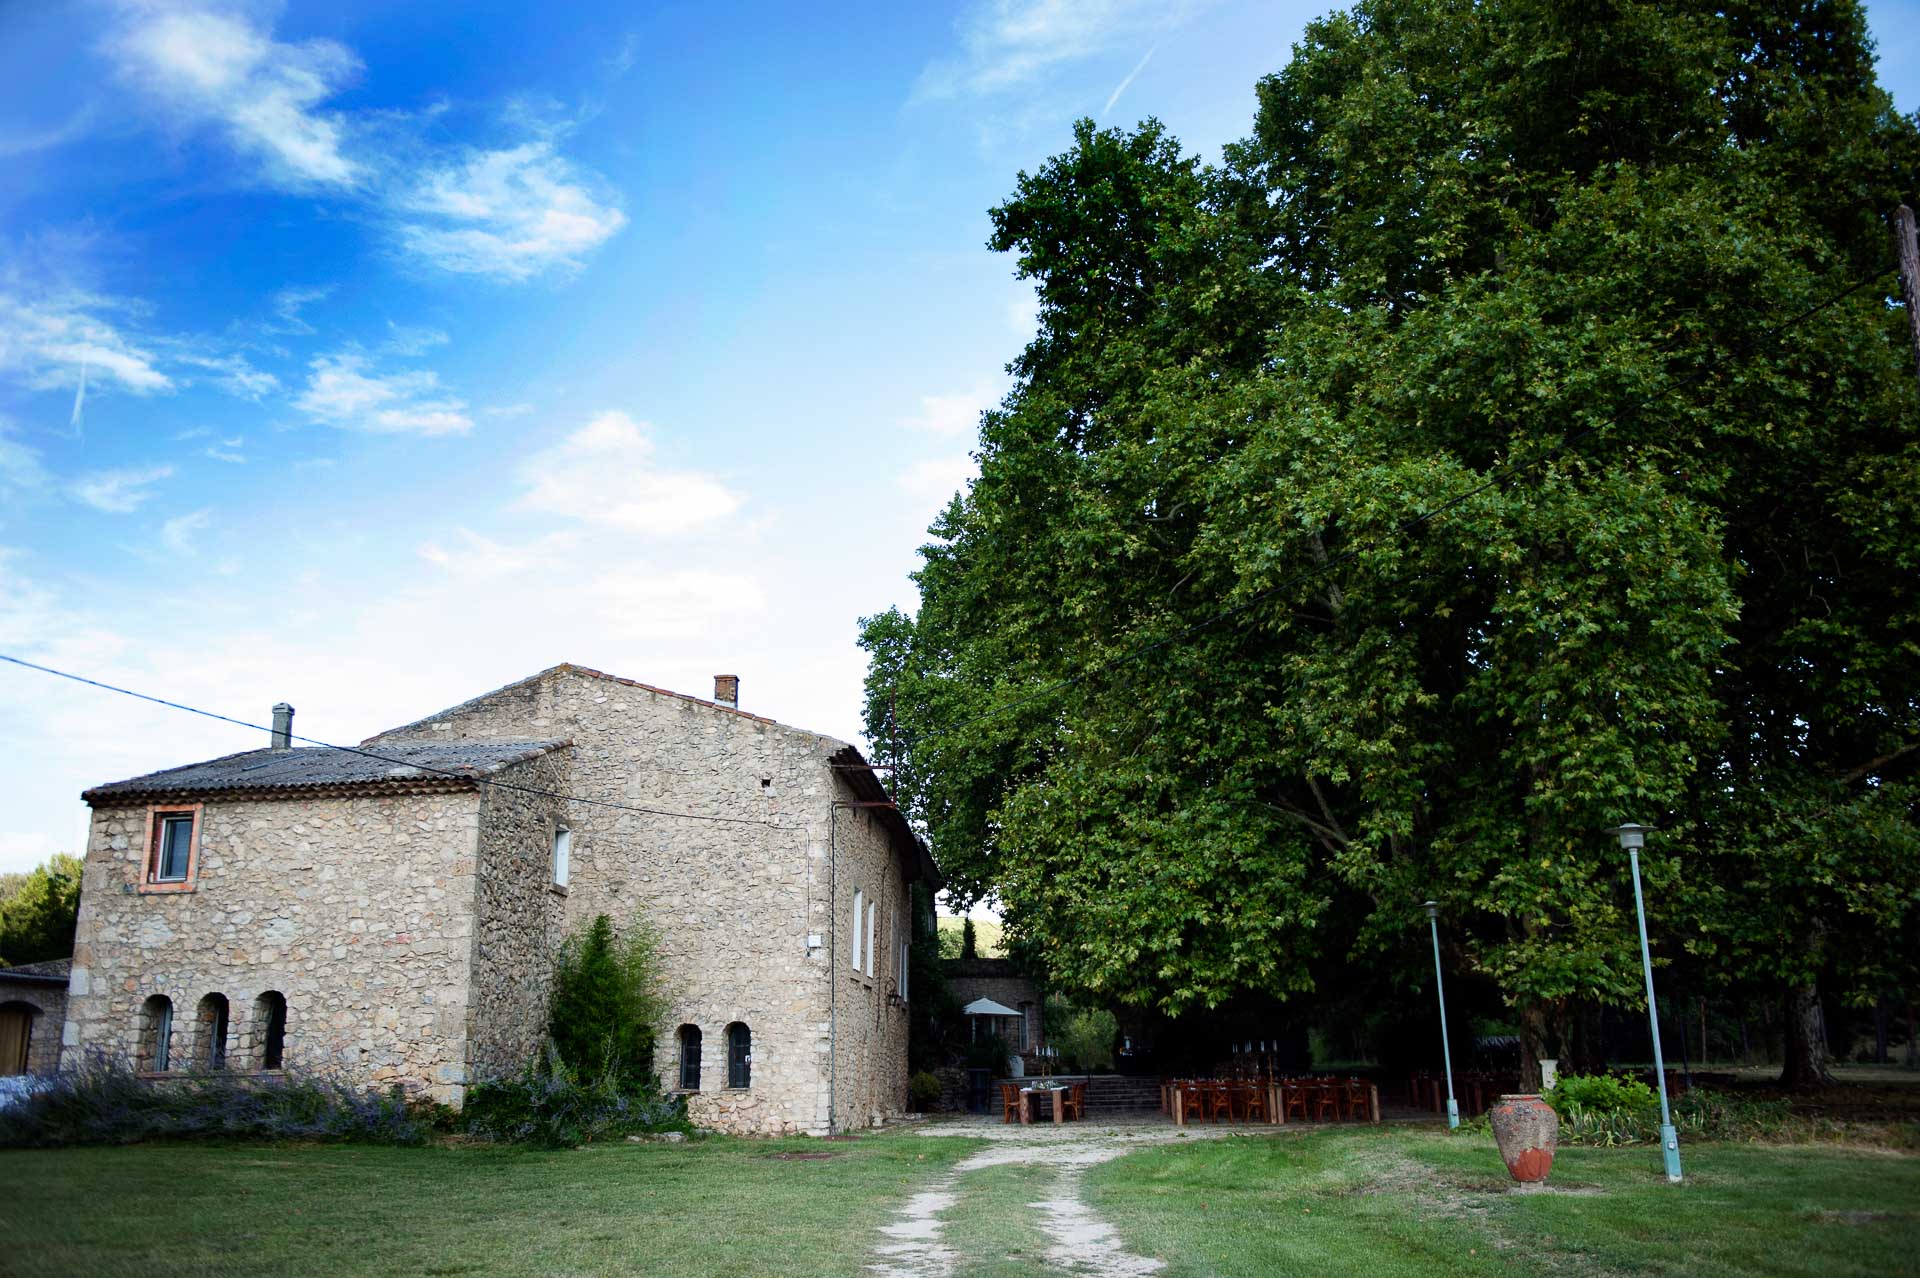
(717, 1206)
(1378, 1202)
(1391, 1201)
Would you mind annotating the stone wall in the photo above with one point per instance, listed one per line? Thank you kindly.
(358, 910)
(520, 916)
(999, 980)
(49, 1014)
(732, 902)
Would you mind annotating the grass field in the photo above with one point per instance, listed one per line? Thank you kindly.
(1378, 1202)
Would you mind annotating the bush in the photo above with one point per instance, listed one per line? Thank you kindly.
(605, 1005)
(547, 1104)
(1616, 1110)
(103, 1103)
(1084, 1036)
(924, 1089)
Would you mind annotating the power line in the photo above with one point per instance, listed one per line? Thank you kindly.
(1499, 475)
(384, 758)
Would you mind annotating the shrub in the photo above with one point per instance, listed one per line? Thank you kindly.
(103, 1103)
(1617, 1110)
(605, 1005)
(924, 1089)
(547, 1104)
(1084, 1036)
(989, 1051)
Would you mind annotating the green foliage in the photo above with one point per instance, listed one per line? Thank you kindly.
(103, 1103)
(606, 1005)
(551, 1106)
(923, 1089)
(1084, 1036)
(1609, 1109)
(933, 1012)
(38, 909)
(969, 942)
(1461, 237)
(1600, 1094)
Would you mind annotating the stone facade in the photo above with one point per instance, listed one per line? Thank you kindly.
(36, 993)
(413, 934)
(735, 901)
(1004, 983)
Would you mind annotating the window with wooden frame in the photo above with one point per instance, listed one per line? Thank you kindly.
(173, 849)
(859, 923)
(689, 1058)
(739, 1055)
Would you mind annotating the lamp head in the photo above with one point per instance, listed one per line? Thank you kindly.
(1433, 909)
(1631, 835)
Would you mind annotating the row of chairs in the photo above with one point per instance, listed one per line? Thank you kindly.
(1322, 1099)
(1245, 1100)
(1212, 1099)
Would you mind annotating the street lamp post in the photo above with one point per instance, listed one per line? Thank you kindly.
(1633, 837)
(1440, 989)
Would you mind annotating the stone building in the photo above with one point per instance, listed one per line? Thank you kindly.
(997, 983)
(393, 912)
(33, 1007)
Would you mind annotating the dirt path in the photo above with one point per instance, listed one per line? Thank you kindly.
(913, 1244)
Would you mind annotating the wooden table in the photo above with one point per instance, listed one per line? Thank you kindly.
(1026, 1102)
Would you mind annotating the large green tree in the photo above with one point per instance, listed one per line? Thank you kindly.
(38, 910)
(1452, 472)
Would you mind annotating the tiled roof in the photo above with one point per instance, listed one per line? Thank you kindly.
(398, 765)
(45, 972)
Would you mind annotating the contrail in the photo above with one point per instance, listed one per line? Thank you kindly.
(1141, 66)
(78, 420)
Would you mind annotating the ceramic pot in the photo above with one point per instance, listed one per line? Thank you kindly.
(1527, 1131)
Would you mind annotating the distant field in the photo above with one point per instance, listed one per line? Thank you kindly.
(986, 936)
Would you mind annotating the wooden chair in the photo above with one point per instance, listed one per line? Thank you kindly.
(1295, 1094)
(1326, 1101)
(1358, 1103)
(1073, 1105)
(1193, 1101)
(1009, 1102)
(1253, 1100)
(1220, 1100)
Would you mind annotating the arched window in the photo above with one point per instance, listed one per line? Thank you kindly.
(690, 1058)
(270, 1029)
(739, 1055)
(154, 1053)
(16, 1036)
(210, 1033)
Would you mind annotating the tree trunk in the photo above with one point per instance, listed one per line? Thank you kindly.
(1533, 1042)
(1804, 1058)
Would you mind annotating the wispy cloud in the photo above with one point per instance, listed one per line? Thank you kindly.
(951, 415)
(220, 69)
(177, 534)
(508, 214)
(118, 492)
(21, 472)
(605, 473)
(345, 390)
(48, 342)
(288, 304)
(408, 340)
(235, 374)
(228, 450)
(1010, 45)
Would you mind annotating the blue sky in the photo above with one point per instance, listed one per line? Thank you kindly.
(370, 356)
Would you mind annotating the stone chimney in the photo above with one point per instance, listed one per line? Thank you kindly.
(283, 727)
(726, 690)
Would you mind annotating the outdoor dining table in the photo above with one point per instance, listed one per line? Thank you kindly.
(1026, 1101)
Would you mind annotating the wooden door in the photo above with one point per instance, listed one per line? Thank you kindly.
(16, 1033)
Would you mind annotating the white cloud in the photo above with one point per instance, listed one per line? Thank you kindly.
(408, 340)
(235, 375)
(46, 344)
(221, 69)
(605, 473)
(508, 214)
(510, 410)
(21, 473)
(1125, 84)
(342, 390)
(288, 304)
(1010, 45)
(117, 492)
(935, 480)
(177, 534)
(951, 415)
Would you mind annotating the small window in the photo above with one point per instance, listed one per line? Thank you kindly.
(155, 1053)
(562, 854)
(739, 1055)
(689, 1058)
(270, 1029)
(172, 850)
(859, 912)
(210, 1033)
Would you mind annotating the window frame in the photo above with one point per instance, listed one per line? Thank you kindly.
(560, 857)
(873, 934)
(745, 1064)
(159, 816)
(698, 1038)
(859, 907)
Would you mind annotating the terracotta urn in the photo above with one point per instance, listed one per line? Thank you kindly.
(1527, 1131)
